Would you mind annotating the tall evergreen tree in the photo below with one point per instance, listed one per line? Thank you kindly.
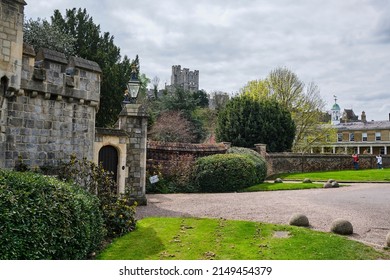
(245, 122)
(94, 45)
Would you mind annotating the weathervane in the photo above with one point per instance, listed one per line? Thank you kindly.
(335, 98)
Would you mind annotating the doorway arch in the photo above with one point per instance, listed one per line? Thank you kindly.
(108, 157)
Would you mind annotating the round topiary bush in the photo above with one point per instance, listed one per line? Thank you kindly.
(341, 226)
(44, 218)
(224, 173)
(260, 162)
(299, 220)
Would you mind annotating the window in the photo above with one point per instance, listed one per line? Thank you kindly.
(339, 137)
(364, 136)
(352, 137)
(378, 136)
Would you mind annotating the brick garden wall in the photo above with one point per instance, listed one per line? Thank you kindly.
(163, 154)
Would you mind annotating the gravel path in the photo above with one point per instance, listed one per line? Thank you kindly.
(366, 206)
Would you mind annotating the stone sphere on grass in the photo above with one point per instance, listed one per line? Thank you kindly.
(278, 180)
(328, 185)
(307, 180)
(335, 184)
(299, 220)
(341, 226)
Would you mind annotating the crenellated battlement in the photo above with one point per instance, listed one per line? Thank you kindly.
(49, 73)
(185, 78)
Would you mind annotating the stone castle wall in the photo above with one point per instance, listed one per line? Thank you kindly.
(52, 115)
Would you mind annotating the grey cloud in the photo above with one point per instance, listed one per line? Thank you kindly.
(342, 46)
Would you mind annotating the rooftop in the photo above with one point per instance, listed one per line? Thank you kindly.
(363, 125)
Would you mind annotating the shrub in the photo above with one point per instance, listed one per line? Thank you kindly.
(174, 177)
(119, 217)
(259, 161)
(118, 213)
(224, 173)
(44, 218)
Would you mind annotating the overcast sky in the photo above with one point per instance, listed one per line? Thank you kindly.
(342, 46)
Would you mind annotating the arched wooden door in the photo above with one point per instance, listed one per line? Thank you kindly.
(108, 156)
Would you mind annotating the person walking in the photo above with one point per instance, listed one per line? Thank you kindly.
(379, 161)
(355, 159)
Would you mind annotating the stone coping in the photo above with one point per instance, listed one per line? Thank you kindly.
(174, 146)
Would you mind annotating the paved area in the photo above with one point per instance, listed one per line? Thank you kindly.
(366, 206)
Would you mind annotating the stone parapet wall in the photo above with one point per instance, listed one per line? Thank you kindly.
(52, 114)
(288, 162)
(43, 131)
(51, 74)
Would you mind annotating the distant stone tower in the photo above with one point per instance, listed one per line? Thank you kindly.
(184, 78)
(335, 112)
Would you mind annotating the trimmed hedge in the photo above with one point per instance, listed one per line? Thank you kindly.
(44, 218)
(224, 173)
(260, 162)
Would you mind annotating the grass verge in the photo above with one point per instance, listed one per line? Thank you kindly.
(366, 175)
(282, 187)
(220, 239)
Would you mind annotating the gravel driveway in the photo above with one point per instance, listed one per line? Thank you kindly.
(366, 206)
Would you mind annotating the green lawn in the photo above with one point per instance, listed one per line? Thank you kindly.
(366, 175)
(282, 186)
(203, 239)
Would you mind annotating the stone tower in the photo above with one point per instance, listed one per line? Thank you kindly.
(11, 53)
(11, 42)
(188, 80)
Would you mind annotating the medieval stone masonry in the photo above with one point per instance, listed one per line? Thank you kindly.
(52, 114)
(48, 103)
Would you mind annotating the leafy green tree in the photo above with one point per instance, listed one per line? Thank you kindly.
(245, 122)
(302, 101)
(201, 98)
(178, 100)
